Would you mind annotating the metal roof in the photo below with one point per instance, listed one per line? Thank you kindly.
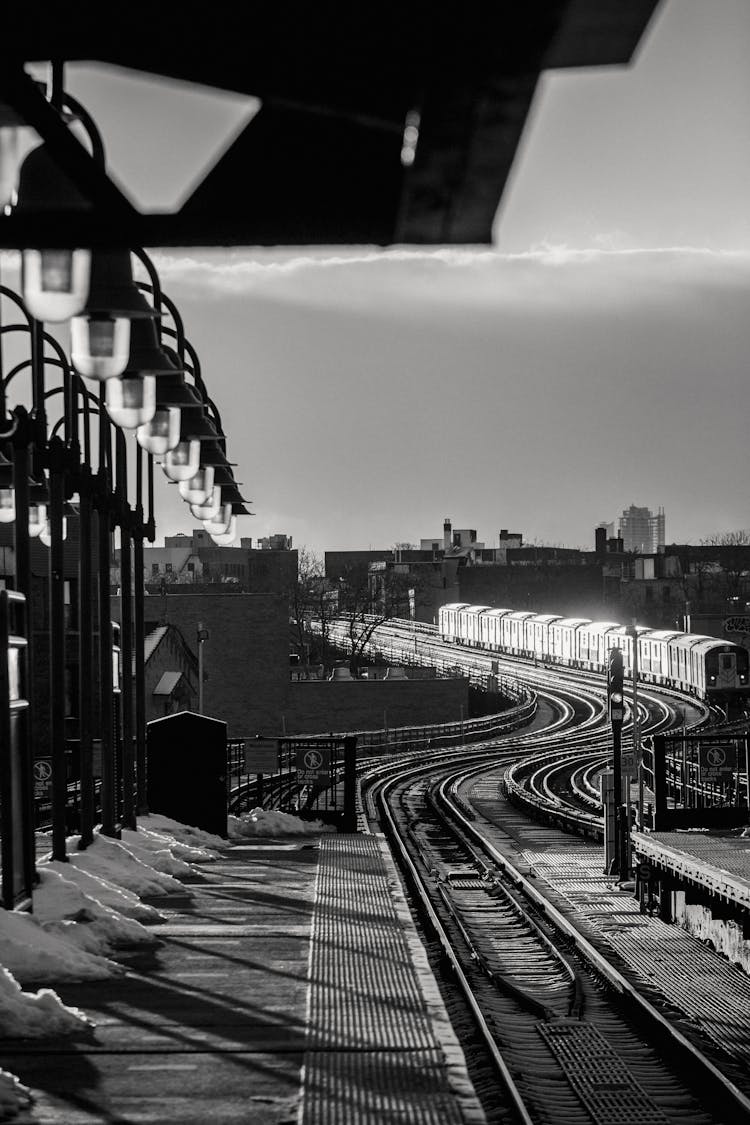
(323, 161)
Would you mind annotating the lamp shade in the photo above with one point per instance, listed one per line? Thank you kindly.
(100, 336)
(147, 356)
(131, 401)
(55, 283)
(112, 291)
(172, 390)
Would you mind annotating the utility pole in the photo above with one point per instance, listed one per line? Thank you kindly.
(616, 707)
(637, 727)
(203, 635)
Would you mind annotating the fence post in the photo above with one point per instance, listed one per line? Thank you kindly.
(350, 784)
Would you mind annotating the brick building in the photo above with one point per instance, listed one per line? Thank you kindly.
(246, 655)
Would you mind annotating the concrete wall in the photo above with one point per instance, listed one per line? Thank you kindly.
(323, 706)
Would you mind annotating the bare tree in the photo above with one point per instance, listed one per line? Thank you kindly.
(309, 598)
(369, 597)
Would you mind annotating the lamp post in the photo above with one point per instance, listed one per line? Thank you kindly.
(637, 725)
(114, 340)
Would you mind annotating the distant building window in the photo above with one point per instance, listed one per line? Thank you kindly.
(168, 568)
(666, 594)
(154, 568)
(191, 568)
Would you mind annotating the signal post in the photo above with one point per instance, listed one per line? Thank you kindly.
(614, 815)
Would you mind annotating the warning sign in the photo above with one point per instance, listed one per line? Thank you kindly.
(262, 755)
(718, 761)
(42, 777)
(314, 765)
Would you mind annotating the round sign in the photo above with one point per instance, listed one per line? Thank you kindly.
(42, 770)
(616, 697)
(313, 759)
(716, 756)
(644, 872)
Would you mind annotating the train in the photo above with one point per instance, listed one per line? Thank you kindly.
(703, 666)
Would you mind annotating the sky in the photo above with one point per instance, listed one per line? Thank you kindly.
(593, 357)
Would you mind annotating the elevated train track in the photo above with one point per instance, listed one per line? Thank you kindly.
(553, 1029)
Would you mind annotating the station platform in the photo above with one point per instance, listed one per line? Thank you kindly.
(290, 988)
(717, 861)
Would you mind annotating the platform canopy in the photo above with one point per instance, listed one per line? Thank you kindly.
(380, 122)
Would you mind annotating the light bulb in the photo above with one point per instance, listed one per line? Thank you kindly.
(182, 462)
(199, 488)
(131, 402)
(162, 433)
(55, 283)
(229, 536)
(7, 505)
(37, 519)
(45, 534)
(221, 522)
(100, 345)
(210, 508)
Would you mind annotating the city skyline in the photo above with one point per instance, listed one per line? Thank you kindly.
(594, 354)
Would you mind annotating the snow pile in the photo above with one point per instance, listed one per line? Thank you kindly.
(155, 851)
(112, 860)
(271, 822)
(35, 1015)
(67, 910)
(107, 892)
(32, 954)
(14, 1096)
(184, 835)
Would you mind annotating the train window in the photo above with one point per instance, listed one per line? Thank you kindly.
(726, 662)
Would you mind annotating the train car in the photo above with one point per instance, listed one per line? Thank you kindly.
(653, 654)
(469, 623)
(538, 640)
(591, 644)
(489, 628)
(719, 668)
(513, 632)
(705, 666)
(448, 620)
(622, 637)
(563, 638)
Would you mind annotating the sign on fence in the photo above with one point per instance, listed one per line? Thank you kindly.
(313, 763)
(262, 755)
(718, 762)
(42, 778)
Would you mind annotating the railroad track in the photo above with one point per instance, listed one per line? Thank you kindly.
(552, 1031)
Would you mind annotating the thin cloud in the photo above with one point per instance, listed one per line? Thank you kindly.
(404, 281)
